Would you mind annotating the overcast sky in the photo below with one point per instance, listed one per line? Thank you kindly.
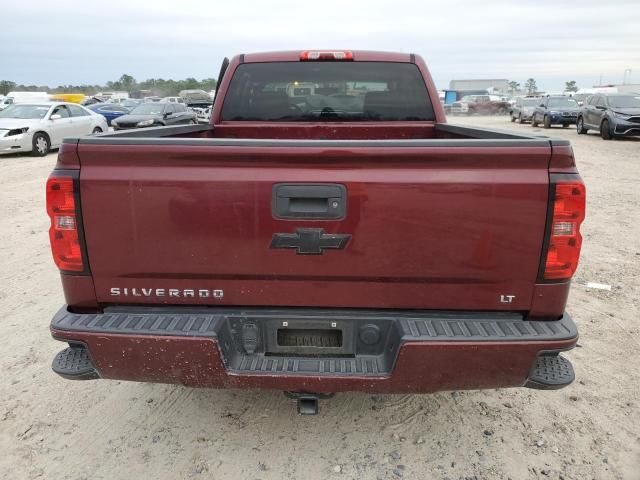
(73, 42)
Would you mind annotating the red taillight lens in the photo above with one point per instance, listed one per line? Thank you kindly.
(320, 56)
(563, 249)
(63, 233)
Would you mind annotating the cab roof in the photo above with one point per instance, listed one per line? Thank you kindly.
(358, 55)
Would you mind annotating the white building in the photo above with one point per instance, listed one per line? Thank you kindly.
(492, 84)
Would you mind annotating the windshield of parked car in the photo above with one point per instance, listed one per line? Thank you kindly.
(148, 109)
(562, 103)
(624, 101)
(327, 91)
(25, 111)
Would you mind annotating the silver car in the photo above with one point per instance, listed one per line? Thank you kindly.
(39, 127)
(522, 110)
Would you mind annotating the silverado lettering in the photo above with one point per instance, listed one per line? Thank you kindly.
(328, 231)
(161, 292)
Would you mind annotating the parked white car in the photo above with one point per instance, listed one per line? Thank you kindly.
(23, 97)
(173, 100)
(39, 127)
(5, 102)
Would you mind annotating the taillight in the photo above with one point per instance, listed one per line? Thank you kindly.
(564, 242)
(63, 233)
(328, 55)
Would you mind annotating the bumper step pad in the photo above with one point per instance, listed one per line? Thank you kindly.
(550, 372)
(73, 363)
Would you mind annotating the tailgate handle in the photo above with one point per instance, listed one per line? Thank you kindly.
(327, 201)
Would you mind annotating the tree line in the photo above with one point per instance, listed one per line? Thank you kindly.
(166, 88)
(151, 86)
(530, 87)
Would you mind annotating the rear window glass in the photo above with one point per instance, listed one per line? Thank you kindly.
(327, 91)
(562, 103)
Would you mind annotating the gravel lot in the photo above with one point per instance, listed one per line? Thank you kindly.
(55, 429)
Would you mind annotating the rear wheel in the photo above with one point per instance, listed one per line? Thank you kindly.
(534, 122)
(520, 119)
(605, 131)
(502, 111)
(40, 144)
(513, 119)
(547, 121)
(580, 126)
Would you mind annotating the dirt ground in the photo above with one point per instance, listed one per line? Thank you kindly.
(55, 429)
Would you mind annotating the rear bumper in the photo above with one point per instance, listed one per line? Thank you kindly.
(387, 351)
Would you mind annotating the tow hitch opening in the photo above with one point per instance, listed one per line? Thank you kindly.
(308, 403)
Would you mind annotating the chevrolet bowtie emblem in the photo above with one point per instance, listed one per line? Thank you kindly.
(310, 241)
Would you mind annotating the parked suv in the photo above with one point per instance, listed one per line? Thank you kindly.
(522, 109)
(613, 115)
(173, 100)
(555, 110)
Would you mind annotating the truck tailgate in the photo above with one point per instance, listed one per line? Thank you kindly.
(424, 227)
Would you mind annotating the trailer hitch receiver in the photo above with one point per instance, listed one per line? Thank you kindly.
(308, 403)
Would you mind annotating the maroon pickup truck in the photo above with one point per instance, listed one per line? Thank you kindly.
(327, 232)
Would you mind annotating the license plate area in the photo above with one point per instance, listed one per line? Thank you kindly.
(313, 338)
(309, 338)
